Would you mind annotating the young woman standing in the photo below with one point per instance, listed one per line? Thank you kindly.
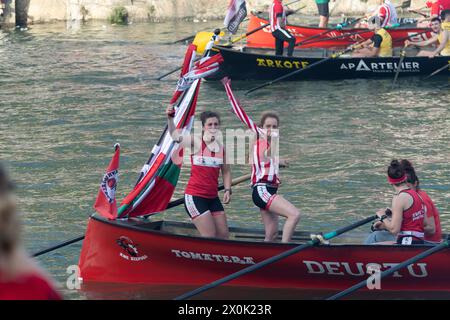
(265, 179)
(201, 197)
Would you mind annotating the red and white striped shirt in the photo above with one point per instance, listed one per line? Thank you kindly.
(264, 169)
(387, 14)
(277, 16)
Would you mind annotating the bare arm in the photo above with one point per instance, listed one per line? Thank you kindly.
(183, 139)
(422, 43)
(398, 204)
(441, 45)
(226, 176)
(429, 225)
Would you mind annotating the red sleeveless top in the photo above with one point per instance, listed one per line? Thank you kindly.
(205, 171)
(412, 222)
(431, 212)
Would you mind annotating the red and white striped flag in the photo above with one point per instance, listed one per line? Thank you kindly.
(106, 199)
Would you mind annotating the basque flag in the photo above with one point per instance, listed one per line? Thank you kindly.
(237, 12)
(106, 199)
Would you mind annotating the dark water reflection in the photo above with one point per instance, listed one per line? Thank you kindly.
(68, 94)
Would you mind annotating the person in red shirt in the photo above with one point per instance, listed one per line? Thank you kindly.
(277, 17)
(436, 7)
(433, 231)
(20, 277)
(201, 199)
(408, 221)
(265, 161)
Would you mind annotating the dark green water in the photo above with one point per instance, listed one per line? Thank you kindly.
(68, 94)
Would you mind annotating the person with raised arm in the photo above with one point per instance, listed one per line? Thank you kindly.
(201, 199)
(265, 166)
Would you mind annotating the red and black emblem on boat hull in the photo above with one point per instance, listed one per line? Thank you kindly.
(128, 246)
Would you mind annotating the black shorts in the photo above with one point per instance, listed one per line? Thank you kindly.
(196, 206)
(263, 195)
(323, 9)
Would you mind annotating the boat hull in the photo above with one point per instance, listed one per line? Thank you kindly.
(253, 66)
(154, 257)
(264, 38)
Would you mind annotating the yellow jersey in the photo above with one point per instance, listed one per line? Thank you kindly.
(445, 26)
(386, 44)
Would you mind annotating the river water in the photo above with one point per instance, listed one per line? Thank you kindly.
(69, 92)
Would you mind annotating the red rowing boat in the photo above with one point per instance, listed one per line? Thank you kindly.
(139, 251)
(264, 39)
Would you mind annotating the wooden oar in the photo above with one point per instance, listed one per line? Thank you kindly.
(276, 258)
(170, 205)
(419, 13)
(193, 36)
(437, 71)
(175, 70)
(399, 67)
(306, 41)
(340, 26)
(413, 35)
(337, 37)
(392, 270)
(231, 42)
(333, 56)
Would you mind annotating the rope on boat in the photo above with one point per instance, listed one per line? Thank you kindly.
(319, 238)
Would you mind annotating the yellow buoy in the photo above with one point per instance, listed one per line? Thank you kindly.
(202, 38)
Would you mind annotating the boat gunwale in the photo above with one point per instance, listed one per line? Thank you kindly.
(238, 52)
(117, 223)
(334, 29)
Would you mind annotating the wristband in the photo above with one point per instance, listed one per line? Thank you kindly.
(229, 190)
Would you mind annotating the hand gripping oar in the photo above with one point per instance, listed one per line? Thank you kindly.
(170, 205)
(333, 56)
(392, 270)
(193, 36)
(419, 13)
(399, 67)
(276, 258)
(437, 71)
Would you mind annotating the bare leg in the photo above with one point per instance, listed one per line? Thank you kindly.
(424, 53)
(361, 53)
(220, 221)
(286, 209)
(323, 22)
(205, 225)
(270, 221)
